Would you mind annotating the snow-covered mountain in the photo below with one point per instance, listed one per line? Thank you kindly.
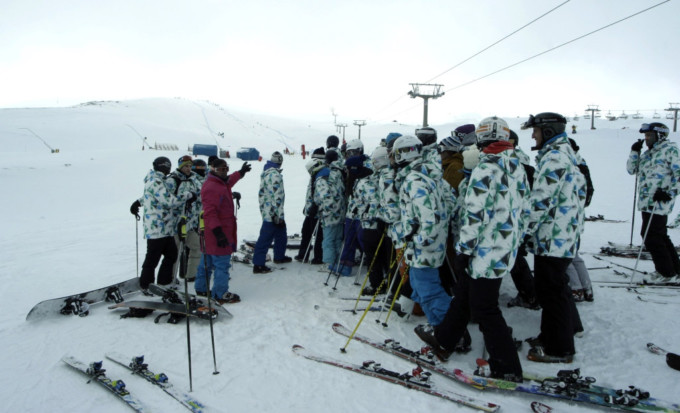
(67, 228)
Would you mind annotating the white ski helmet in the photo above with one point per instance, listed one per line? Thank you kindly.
(354, 147)
(380, 158)
(313, 165)
(492, 129)
(406, 149)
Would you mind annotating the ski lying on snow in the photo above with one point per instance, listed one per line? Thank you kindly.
(672, 359)
(568, 384)
(95, 372)
(539, 407)
(137, 366)
(417, 379)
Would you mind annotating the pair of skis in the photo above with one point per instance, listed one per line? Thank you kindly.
(567, 384)
(137, 366)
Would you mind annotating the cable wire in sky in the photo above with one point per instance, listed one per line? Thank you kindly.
(555, 48)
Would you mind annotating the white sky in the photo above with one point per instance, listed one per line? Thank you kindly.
(302, 58)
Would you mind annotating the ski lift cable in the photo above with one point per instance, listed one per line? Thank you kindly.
(556, 47)
(498, 41)
(483, 50)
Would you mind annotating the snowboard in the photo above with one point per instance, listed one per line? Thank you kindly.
(197, 312)
(80, 304)
(292, 244)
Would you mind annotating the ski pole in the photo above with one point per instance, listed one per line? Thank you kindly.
(400, 257)
(201, 228)
(312, 241)
(396, 294)
(644, 238)
(368, 308)
(182, 232)
(632, 225)
(370, 268)
(137, 242)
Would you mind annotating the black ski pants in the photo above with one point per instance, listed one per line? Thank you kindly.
(559, 314)
(521, 276)
(659, 244)
(308, 226)
(478, 298)
(379, 257)
(155, 249)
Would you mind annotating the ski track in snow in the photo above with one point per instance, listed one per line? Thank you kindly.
(68, 229)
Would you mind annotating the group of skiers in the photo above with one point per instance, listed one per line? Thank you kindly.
(452, 218)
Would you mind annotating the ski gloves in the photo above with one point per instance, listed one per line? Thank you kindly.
(637, 146)
(245, 168)
(313, 210)
(661, 196)
(460, 265)
(221, 238)
(237, 198)
(278, 222)
(134, 209)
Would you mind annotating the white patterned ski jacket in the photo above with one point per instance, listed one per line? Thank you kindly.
(187, 184)
(271, 194)
(493, 212)
(423, 212)
(657, 167)
(557, 201)
(330, 197)
(160, 206)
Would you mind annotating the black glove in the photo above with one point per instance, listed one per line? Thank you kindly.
(460, 265)
(281, 223)
(414, 229)
(637, 146)
(245, 168)
(237, 198)
(313, 210)
(661, 196)
(382, 225)
(134, 209)
(221, 238)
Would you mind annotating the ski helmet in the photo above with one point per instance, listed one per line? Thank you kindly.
(492, 129)
(550, 123)
(314, 165)
(332, 141)
(466, 133)
(319, 153)
(407, 149)
(199, 167)
(451, 144)
(354, 147)
(277, 157)
(391, 137)
(514, 139)
(426, 135)
(659, 128)
(380, 158)
(162, 164)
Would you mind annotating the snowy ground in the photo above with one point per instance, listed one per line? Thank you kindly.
(67, 229)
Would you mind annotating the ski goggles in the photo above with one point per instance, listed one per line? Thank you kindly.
(647, 127)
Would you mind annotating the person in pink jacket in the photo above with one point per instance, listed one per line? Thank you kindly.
(220, 231)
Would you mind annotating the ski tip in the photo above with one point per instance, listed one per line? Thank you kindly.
(297, 347)
(337, 325)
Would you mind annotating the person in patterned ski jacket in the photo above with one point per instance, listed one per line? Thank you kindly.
(555, 226)
(272, 198)
(424, 217)
(493, 211)
(329, 195)
(658, 172)
(311, 225)
(181, 181)
(353, 231)
(432, 160)
(160, 224)
(220, 231)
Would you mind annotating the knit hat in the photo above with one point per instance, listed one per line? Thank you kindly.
(332, 141)
(319, 153)
(331, 156)
(391, 137)
(277, 157)
(211, 159)
(184, 161)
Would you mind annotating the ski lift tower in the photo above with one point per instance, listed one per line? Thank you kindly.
(592, 109)
(430, 91)
(674, 108)
(341, 128)
(360, 123)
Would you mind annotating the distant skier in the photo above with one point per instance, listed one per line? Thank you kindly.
(658, 170)
(159, 202)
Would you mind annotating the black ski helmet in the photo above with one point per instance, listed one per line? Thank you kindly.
(659, 128)
(332, 141)
(162, 164)
(550, 123)
(199, 167)
(426, 135)
(514, 139)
